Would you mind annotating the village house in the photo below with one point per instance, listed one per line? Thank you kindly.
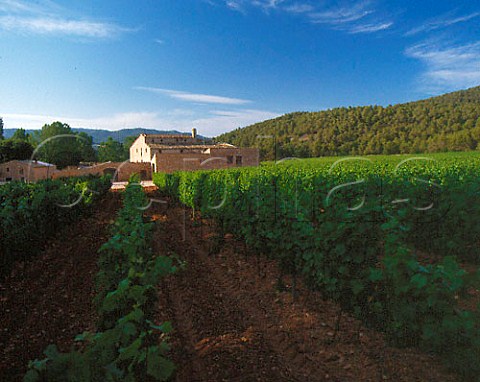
(26, 170)
(148, 154)
(168, 153)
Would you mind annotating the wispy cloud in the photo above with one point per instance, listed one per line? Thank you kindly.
(113, 122)
(160, 41)
(369, 28)
(58, 26)
(342, 15)
(222, 121)
(350, 16)
(47, 18)
(211, 124)
(299, 8)
(441, 22)
(235, 5)
(448, 67)
(357, 18)
(195, 97)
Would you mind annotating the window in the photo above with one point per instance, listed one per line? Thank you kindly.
(229, 159)
(238, 160)
(137, 151)
(20, 171)
(8, 169)
(181, 151)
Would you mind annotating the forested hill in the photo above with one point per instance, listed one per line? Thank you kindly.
(99, 135)
(450, 122)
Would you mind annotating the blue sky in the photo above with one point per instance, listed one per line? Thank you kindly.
(221, 64)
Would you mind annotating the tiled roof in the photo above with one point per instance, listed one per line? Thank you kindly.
(37, 163)
(169, 136)
(191, 147)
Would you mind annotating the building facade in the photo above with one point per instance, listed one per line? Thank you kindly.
(119, 171)
(26, 171)
(168, 153)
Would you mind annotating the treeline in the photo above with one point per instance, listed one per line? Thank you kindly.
(450, 122)
(58, 144)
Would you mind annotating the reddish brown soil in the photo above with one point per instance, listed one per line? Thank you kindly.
(48, 299)
(231, 324)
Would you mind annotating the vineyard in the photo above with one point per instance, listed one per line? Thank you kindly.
(356, 231)
(124, 346)
(351, 269)
(30, 213)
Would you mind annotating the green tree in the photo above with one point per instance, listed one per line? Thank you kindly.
(111, 150)
(445, 123)
(58, 144)
(11, 149)
(1, 128)
(88, 154)
(20, 135)
(127, 143)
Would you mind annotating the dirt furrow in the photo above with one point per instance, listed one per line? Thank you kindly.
(48, 299)
(213, 338)
(228, 302)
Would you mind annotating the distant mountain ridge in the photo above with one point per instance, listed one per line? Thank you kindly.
(450, 122)
(102, 135)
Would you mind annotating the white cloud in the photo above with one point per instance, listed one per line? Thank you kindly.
(351, 16)
(194, 97)
(42, 25)
(212, 124)
(160, 41)
(235, 5)
(299, 8)
(47, 18)
(441, 22)
(342, 15)
(370, 28)
(357, 18)
(223, 121)
(114, 122)
(448, 67)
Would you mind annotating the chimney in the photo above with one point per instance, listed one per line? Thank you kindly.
(194, 133)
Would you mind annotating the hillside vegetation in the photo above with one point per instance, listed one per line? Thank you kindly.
(450, 122)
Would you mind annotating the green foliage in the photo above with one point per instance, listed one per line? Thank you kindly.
(126, 346)
(58, 144)
(352, 229)
(12, 148)
(447, 123)
(31, 213)
(1, 128)
(113, 151)
(20, 135)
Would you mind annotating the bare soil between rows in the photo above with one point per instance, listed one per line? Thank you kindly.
(230, 321)
(232, 324)
(48, 298)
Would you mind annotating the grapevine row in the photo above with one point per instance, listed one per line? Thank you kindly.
(31, 213)
(355, 245)
(128, 344)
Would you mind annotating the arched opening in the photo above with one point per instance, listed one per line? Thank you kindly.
(112, 172)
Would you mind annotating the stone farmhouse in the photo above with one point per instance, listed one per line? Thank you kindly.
(168, 153)
(26, 170)
(148, 154)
